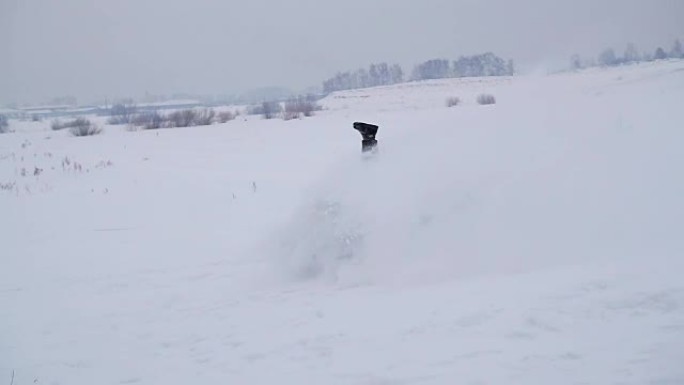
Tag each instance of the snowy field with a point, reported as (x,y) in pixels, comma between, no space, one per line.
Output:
(539,240)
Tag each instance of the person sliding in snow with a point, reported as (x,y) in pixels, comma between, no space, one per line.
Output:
(368,132)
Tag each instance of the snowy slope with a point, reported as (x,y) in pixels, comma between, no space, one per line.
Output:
(535,241)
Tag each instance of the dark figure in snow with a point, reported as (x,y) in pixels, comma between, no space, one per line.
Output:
(368,131)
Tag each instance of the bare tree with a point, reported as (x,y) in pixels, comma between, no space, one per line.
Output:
(432,69)
(83,127)
(270,109)
(182,118)
(4,124)
(225,116)
(296,107)
(607,58)
(74,123)
(122,113)
(677,52)
(204,117)
(291,110)
(631,54)
(576,62)
(57,125)
(148,120)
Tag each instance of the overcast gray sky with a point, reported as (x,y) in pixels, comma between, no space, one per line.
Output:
(116,48)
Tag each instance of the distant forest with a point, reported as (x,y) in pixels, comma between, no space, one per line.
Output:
(384,74)
(609,58)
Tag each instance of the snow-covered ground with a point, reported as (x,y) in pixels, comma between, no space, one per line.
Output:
(536,241)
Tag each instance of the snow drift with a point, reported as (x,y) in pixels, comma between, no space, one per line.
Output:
(550,179)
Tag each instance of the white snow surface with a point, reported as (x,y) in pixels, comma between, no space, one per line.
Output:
(539,240)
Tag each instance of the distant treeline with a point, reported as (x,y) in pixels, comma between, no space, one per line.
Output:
(609,58)
(383,74)
(486,64)
(376,75)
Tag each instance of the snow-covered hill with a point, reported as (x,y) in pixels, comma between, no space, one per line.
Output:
(538,240)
